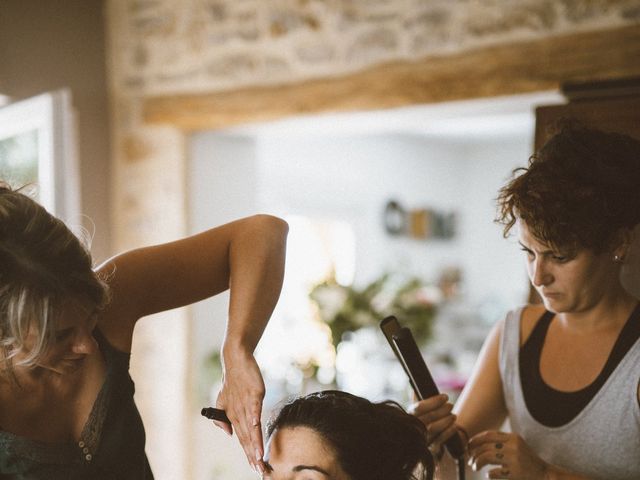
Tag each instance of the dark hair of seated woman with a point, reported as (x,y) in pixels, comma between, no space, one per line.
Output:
(338,436)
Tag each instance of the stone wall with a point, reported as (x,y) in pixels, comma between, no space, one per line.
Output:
(169,47)
(165,47)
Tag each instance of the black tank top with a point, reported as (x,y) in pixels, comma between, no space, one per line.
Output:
(555,408)
(113,438)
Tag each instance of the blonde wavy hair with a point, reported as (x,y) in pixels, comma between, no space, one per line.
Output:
(42,266)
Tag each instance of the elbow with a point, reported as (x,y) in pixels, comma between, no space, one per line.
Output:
(270,226)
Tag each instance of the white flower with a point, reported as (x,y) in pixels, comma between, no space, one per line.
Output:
(362,318)
(430,294)
(330,299)
(382,301)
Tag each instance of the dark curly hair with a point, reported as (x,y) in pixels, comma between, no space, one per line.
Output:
(372,441)
(578,191)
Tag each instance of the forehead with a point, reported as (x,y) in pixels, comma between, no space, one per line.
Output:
(73,310)
(526,236)
(292,446)
(529,239)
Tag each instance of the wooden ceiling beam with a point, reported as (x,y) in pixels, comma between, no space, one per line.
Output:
(514,68)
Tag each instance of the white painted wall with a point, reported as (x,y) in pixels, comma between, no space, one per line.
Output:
(350,178)
(223,180)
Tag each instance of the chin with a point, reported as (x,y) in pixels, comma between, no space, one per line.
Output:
(558,306)
(552,305)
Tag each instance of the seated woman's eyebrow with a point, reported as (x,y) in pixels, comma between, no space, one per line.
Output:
(299,468)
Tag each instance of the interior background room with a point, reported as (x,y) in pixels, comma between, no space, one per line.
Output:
(191,113)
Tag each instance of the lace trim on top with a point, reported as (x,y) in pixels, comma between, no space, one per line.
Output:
(65,453)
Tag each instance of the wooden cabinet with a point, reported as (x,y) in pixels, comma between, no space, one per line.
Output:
(611,106)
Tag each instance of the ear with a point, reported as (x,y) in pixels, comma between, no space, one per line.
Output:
(622,242)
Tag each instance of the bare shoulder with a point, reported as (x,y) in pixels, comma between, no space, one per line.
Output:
(530,315)
(115,320)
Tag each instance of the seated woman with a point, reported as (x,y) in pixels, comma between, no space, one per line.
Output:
(334,435)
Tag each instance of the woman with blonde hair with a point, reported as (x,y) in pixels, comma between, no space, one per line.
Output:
(66,397)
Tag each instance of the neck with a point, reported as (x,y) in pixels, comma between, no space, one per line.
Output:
(609,312)
(34,381)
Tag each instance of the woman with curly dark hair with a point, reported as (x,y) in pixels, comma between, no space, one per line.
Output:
(334,435)
(565,373)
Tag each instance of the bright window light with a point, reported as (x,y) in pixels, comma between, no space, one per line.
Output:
(317,249)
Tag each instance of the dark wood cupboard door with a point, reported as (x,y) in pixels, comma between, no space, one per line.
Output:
(620,115)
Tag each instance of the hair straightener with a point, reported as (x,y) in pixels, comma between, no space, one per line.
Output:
(406,350)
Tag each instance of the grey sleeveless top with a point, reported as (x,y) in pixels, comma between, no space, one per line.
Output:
(603,440)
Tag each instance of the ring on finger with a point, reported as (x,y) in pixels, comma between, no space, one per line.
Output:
(499,445)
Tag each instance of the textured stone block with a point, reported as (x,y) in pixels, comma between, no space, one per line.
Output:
(314,53)
(154,24)
(373,44)
(583,10)
(233,66)
(276,68)
(499,21)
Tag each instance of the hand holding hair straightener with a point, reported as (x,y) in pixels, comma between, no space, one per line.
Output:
(406,350)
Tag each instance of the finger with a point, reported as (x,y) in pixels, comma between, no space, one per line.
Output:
(487,458)
(249,431)
(437,414)
(256,441)
(255,433)
(478,446)
(486,451)
(425,406)
(445,435)
(488,436)
(224,426)
(435,430)
(238,420)
(502,472)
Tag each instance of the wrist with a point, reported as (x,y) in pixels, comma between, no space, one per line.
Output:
(236,341)
(234,350)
